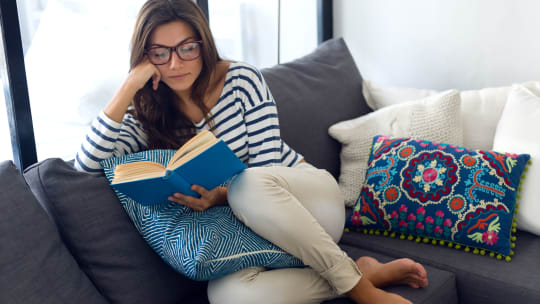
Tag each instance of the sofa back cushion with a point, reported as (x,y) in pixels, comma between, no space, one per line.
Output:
(312,93)
(35,267)
(102,238)
(480,109)
(517,131)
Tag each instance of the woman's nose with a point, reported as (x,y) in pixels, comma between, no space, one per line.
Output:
(176,62)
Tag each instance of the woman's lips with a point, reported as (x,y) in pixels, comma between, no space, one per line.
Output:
(178,77)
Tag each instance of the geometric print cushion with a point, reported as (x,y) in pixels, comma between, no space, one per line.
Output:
(200,245)
(440,193)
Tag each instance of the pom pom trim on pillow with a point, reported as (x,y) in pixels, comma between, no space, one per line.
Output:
(457,197)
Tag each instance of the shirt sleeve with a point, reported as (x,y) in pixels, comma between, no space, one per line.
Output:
(265,146)
(107,138)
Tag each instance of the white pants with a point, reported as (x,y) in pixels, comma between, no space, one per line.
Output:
(301,210)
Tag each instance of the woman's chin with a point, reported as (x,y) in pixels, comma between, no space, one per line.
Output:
(179,89)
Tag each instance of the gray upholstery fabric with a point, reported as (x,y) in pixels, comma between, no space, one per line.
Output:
(102,238)
(35,267)
(441,288)
(479,279)
(312,93)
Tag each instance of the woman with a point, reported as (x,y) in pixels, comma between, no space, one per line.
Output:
(177,86)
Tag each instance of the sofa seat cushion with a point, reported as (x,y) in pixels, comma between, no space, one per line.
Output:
(441,288)
(35,266)
(103,240)
(479,279)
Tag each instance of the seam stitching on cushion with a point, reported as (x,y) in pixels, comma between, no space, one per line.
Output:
(454,278)
(243,254)
(47,203)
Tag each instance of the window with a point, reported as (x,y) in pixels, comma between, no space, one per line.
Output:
(75,61)
(71,76)
(5,152)
(5,140)
(263,33)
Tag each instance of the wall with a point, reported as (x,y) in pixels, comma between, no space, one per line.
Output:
(441,44)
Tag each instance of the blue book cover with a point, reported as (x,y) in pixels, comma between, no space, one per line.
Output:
(208,166)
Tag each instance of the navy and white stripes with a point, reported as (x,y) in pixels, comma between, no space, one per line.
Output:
(245,117)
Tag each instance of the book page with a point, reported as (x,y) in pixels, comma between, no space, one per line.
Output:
(137,171)
(204,138)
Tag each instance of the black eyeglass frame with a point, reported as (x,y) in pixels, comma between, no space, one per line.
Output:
(175,49)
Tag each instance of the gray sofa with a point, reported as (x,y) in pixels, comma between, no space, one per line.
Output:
(66,239)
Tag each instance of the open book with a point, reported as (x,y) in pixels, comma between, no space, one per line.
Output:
(203,160)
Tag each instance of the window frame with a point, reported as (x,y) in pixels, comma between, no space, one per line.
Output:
(15,85)
(16,89)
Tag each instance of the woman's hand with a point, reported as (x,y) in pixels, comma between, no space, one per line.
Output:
(137,78)
(140,74)
(208,199)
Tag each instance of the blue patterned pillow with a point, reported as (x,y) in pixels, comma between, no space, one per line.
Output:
(201,245)
(441,193)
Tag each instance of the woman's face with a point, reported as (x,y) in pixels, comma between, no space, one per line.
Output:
(177,73)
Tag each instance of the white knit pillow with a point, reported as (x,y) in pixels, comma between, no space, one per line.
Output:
(434,118)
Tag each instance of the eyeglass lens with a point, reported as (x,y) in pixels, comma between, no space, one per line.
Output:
(187,51)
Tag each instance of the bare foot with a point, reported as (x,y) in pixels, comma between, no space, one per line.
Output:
(397,272)
(365,293)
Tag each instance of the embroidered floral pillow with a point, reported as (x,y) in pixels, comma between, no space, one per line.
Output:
(432,191)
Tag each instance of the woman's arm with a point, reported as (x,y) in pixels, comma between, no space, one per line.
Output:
(266,148)
(114,132)
(135,81)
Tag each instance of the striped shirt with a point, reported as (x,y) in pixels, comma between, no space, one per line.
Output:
(245,117)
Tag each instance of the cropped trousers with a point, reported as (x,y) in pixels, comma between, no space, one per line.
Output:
(301,210)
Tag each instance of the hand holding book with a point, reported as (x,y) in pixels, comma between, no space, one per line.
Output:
(208,198)
(204,160)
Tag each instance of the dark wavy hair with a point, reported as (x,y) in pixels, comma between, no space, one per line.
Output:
(165,125)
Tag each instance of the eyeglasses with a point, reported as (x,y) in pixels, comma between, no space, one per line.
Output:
(187,51)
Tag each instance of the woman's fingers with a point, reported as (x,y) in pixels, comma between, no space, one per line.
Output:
(197,204)
(175,198)
(156,77)
(201,190)
(143,72)
(207,199)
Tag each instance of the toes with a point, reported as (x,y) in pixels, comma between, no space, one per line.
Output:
(416,282)
(418,276)
(421,270)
